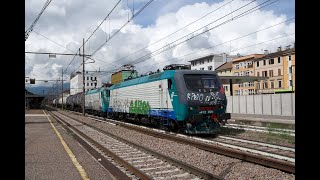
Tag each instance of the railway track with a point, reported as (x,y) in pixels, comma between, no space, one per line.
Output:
(268,155)
(265,149)
(142,162)
(261,129)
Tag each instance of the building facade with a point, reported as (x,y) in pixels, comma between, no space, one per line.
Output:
(210,62)
(243,66)
(289,61)
(225,70)
(76,83)
(276,67)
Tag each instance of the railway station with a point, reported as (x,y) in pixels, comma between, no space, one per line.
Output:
(161,90)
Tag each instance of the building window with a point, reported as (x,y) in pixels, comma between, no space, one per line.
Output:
(264,62)
(290,58)
(279,60)
(264,74)
(209,68)
(201,68)
(226,88)
(237,66)
(251,91)
(257,63)
(88,78)
(258,74)
(95,78)
(290,70)
(272,84)
(258,85)
(280,84)
(95,84)
(279,72)
(290,82)
(87,84)
(271,73)
(91,84)
(91,78)
(271,61)
(265,85)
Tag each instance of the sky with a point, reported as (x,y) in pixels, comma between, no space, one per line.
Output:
(164,32)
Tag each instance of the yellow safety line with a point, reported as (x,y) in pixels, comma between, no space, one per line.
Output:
(71,155)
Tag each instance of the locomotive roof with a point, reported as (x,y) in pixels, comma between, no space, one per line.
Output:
(144,79)
(156,77)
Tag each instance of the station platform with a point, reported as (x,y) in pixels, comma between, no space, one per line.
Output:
(51,153)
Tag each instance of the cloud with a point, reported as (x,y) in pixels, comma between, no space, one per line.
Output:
(68,22)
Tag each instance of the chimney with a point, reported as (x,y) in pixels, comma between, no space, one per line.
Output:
(279,48)
(265,51)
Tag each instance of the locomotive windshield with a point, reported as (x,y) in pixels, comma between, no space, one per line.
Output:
(197,81)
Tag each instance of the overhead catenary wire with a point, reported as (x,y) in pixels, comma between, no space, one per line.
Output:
(148,56)
(143,67)
(29,30)
(174,31)
(234,39)
(91,35)
(136,14)
(110,37)
(191,32)
(176,58)
(133,16)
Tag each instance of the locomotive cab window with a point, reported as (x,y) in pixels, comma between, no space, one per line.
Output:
(195,82)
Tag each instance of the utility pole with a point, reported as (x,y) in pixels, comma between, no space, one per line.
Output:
(83,88)
(62,88)
(57,95)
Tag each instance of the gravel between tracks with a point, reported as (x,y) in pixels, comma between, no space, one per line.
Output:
(230,168)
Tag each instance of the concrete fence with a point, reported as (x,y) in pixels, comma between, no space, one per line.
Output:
(267,104)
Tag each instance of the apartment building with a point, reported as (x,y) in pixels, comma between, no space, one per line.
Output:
(76,82)
(276,67)
(289,59)
(243,66)
(210,62)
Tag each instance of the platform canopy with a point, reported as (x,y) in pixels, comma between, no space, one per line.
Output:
(240,79)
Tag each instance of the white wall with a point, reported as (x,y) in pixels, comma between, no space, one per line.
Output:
(267,104)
